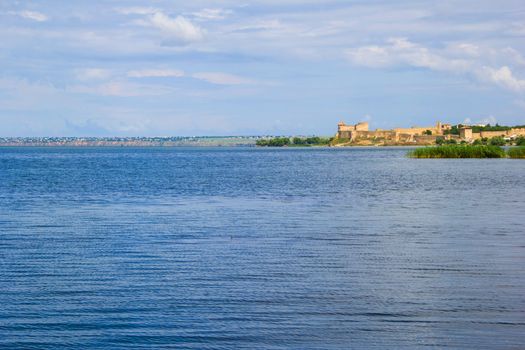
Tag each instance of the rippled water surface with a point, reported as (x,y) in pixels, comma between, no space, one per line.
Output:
(259,248)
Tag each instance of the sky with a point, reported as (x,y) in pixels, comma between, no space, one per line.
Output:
(263,67)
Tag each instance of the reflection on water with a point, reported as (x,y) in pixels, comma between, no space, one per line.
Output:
(259,248)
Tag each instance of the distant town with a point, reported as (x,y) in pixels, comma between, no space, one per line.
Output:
(189,141)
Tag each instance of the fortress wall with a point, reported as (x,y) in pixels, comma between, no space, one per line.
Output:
(490,134)
(361,126)
(404,137)
(386,134)
(346,128)
(344,134)
(505,133)
(417,131)
(425,139)
(517,131)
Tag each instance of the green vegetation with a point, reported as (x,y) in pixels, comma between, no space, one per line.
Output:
(441,141)
(294,142)
(497,141)
(427,132)
(520,141)
(336,141)
(273,142)
(475,129)
(488,127)
(458,151)
(516,153)
(454,130)
(311,141)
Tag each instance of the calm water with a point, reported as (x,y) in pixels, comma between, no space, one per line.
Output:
(259,248)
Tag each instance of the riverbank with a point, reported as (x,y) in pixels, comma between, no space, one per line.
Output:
(467,151)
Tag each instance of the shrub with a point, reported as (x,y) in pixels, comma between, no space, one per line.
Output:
(275,142)
(298,141)
(279,142)
(458,151)
(497,141)
(520,141)
(516,152)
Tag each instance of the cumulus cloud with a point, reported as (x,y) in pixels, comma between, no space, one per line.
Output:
(33,15)
(457,59)
(158,73)
(481,121)
(178,29)
(502,77)
(221,78)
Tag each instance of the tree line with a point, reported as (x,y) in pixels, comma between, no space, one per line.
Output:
(294,141)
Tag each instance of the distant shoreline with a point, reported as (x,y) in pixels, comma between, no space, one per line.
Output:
(180,141)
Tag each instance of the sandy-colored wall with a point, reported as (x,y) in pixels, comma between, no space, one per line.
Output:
(490,134)
(417,131)
(361,126)
(517,132)
(375,134)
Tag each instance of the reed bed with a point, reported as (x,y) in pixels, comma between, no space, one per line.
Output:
(458,151)
(516,153)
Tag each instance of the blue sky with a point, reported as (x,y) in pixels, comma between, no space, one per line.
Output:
(145,68)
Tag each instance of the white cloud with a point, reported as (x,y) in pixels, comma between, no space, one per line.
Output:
(462,58)
(212,14)
(514,55)
(465,49)
(222,78)
(161,73)
(481,121)
(120,89)
(502,77)
(400,51)
(33,15)
(370,56)
(92,74)
(136,10)
(179,29)
(259,25)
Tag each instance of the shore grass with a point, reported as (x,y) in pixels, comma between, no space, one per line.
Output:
(516,153)
(458,151)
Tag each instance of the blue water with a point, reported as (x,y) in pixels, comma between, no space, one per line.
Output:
(228,248)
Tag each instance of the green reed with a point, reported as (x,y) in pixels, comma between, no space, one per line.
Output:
(458,151)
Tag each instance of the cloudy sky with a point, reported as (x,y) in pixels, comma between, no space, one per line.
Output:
(200,67)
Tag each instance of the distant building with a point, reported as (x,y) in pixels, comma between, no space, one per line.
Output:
(465,133)
(415,135)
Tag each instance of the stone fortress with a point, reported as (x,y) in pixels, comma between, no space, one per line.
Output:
(359,134)
(466,134)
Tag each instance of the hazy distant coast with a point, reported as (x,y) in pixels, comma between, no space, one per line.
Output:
(201,141)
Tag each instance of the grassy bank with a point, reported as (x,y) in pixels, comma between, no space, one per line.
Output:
(516,153)
(458,151)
